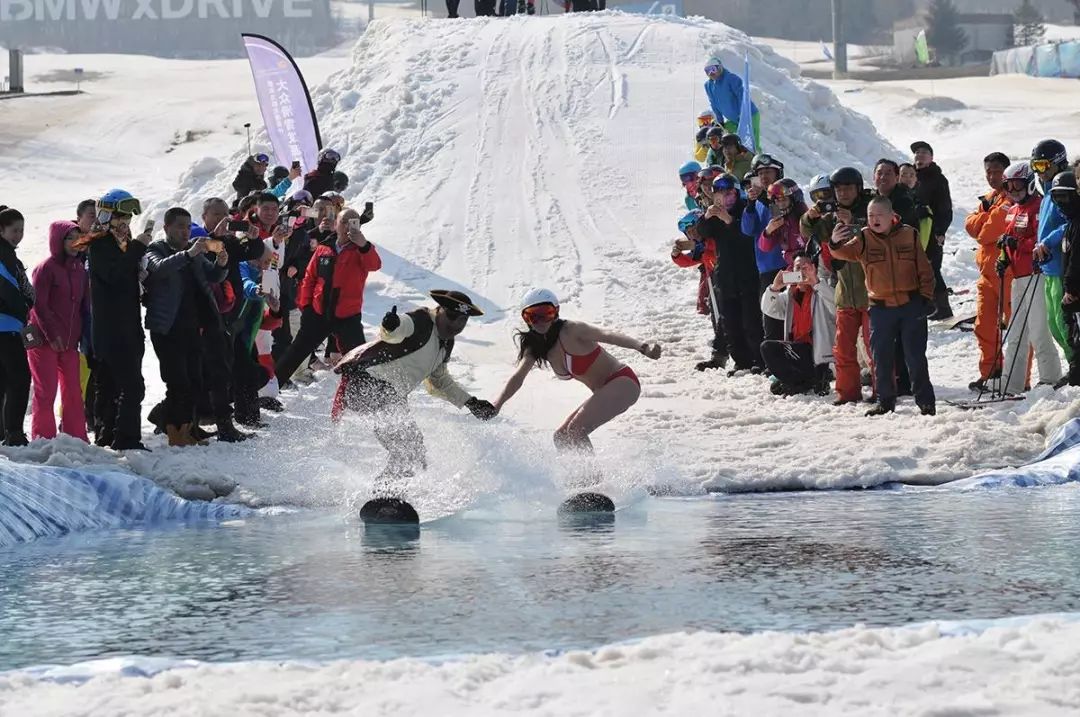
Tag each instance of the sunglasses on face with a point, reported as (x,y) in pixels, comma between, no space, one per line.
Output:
(1041,165)
(544,313)
(712,70)
(1016,185)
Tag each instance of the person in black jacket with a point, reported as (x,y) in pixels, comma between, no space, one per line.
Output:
(932,191)
(321,179)
(736,275)
(1064,194)
(16,300)
(116,317)
(178,302)
(251,177)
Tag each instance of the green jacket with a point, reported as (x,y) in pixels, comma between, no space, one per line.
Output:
(850,279)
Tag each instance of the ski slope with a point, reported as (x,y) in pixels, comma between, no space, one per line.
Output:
(503,154)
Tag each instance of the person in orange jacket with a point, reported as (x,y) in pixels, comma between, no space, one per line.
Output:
(986,225)
(331,294)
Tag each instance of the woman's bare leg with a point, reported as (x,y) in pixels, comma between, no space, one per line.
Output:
(608,402)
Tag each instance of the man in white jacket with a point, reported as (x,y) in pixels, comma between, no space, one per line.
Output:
(413,348)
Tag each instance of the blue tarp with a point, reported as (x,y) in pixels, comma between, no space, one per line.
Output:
(42,501)
(1060,59)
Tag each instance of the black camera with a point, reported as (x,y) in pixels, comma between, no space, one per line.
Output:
(368,214)
(826,206)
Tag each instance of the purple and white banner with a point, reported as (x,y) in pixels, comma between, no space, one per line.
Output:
(285,103)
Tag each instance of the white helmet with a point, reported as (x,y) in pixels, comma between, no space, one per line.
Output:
(1023,171)
(818,183)
(535,297)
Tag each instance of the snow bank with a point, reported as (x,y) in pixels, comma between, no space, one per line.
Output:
(37,502)
(1029,667)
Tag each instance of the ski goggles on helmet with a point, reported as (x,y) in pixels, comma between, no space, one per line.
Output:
(708,174)
(724,183)
(330,156)
(262,158)
(540,314)
(705,119)
(128,205)
(765,161)
(821,195)
(713,69)
(1042,165)
(688,177)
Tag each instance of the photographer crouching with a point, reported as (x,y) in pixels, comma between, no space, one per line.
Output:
(798,299)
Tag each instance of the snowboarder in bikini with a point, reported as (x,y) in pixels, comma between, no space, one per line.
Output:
(573,350)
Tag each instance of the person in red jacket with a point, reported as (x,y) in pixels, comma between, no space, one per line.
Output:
(1029,326)
(332,294)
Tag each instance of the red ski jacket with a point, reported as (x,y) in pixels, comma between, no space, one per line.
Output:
(345,272)
(1022,222)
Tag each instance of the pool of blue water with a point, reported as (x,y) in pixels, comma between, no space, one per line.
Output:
(314,585)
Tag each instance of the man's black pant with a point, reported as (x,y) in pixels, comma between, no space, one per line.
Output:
(742,326)
(452,7)
(179,356)
(247,378)
(773,328)
(1072,320)
(314,329)
(935,252)
(716,316)
(792,363)
(120,392)
(909,323)
(14,382)
(217,369)
(394,426)
(484,8)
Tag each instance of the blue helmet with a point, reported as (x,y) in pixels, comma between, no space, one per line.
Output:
(690,220)
(690,167)
(119,201)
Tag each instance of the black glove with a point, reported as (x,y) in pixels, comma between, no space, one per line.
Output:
(391,320)
(1001,266)
(985,203)
(481,409)
(923,212)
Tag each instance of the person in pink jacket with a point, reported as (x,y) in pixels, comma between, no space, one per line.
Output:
(60,286)
(786,206)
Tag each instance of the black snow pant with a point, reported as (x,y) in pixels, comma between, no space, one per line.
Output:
(394,426)
(720,343)
(909,323)
(248,377)
(773,328)
(1072,320)
(314,329)
(217,369)
(118,401)
(452,8)
(14,382)
(179,357)
(792,363)
(742,326)
(484,8)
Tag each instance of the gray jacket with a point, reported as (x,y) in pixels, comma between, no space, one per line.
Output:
(164,283)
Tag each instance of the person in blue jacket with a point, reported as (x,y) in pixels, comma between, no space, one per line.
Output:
(755,218)
(1048,159)
(725,90)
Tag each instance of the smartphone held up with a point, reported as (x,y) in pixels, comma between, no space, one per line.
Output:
(792,277)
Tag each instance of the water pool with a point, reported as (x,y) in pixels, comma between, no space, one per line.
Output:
(318,586)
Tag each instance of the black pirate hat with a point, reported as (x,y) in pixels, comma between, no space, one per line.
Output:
(456,302)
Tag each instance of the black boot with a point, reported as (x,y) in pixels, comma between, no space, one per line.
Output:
(718,360)
(942,309)
(157,417)
(268,403)
(882,408)
(227,432)
(928,410)
(13,438)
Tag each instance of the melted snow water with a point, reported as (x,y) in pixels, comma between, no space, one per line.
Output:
(314,586)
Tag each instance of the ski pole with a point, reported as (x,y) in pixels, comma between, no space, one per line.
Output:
(247,126)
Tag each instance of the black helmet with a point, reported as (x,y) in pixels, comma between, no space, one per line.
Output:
(765,161)
(1064,194)
(279,173)
(846,175)
(341,181)
(701,134)
(731,138)
(715,131)
(1052,150)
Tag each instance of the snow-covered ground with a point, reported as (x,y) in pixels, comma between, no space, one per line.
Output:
(508,153)
(1014,667)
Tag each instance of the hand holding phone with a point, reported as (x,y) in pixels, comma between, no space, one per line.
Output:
(792,277)
(215,245)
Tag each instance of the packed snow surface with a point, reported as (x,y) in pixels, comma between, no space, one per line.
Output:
(1012,667)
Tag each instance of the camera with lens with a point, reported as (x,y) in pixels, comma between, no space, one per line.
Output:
(826,206)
